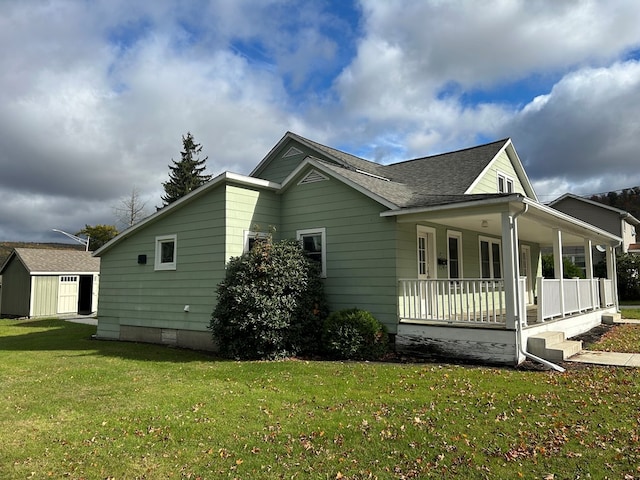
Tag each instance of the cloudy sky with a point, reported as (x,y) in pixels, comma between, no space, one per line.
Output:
(95,95)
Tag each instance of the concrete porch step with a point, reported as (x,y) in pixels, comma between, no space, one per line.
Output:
(552,346)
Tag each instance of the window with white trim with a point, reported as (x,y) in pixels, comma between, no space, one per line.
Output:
(166,252)
(505,183)
(251,237)
(490,258)
(454,254)
(313,242)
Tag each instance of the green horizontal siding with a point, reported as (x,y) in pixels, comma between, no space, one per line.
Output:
(132,294)
(248,210)
(209,231)
(360,245)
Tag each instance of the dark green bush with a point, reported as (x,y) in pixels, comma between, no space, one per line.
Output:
(628,267)
(354,334)
(270,305)
(569,269)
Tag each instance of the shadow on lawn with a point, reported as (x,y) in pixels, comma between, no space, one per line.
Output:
(60,335)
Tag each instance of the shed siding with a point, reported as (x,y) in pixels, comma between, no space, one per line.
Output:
(136,295)
(16,290)
(45,295)
(489,181)
(360,245)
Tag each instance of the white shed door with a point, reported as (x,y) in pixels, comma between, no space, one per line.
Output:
(68,294)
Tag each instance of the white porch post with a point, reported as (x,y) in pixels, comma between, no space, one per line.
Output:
(558,271)
(588,258)
(588,264)
(510,268)
(612,273)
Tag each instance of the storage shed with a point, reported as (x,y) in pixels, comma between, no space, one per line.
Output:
(40,282)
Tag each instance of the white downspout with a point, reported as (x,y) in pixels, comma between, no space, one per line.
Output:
(520,348)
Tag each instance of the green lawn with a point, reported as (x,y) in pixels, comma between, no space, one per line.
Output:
(77,408)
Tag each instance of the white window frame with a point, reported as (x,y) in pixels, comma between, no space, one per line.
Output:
(160,240)
(323,238)
(507,181)
(491,241)
(252,235)
(458,236)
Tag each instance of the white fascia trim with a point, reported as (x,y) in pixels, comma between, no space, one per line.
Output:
(42,274)
(250,181)
(220,179)
(517,166)
(310,161)
(454,206)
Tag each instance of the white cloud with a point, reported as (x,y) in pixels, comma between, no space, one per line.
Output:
(95,96)
(584,132)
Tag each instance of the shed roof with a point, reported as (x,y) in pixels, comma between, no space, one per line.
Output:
(41,260)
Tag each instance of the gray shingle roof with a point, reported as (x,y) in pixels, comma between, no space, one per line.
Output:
(432,180)
(347,160)
(448,173)
(38,260)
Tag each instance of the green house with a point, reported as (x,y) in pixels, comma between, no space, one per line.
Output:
(444,250)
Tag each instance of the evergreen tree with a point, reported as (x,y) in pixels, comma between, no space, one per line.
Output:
(98,235)
(185,175)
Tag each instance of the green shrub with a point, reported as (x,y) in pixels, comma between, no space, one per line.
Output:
(628,268)
(569,269)
(270,305)
(354,334)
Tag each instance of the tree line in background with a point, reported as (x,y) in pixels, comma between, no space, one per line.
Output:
(627,199)
(185,175)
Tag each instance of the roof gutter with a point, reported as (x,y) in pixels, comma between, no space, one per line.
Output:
(453,206)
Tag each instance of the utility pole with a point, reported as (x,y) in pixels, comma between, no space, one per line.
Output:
(83,241)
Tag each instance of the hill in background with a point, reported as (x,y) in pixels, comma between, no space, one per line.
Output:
(627,199)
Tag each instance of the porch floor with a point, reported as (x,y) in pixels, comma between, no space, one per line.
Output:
(498,322)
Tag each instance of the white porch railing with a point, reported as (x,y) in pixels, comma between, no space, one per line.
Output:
(576,295)
(607,296)
(468,301)
(482,302)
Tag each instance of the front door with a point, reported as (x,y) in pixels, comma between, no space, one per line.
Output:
(426,270)
(68,294)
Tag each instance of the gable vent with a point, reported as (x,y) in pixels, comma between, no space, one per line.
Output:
(292,152)
(312,177)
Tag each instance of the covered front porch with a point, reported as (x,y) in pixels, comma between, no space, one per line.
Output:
(486,318)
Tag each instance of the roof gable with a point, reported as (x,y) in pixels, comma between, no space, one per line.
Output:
(291,151)
(415,181)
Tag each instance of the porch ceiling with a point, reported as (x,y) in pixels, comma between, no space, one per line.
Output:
(536,225)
